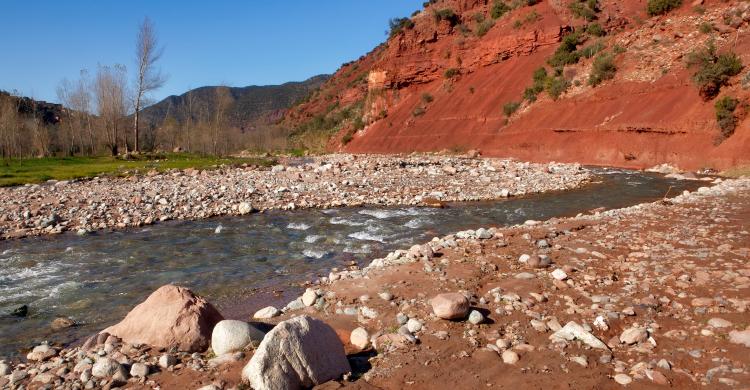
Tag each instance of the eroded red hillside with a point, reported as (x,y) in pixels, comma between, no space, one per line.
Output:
(442,85)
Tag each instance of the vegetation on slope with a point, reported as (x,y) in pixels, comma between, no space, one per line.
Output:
(584,9)
(725,117)
(713,70)
(314,134)
(661,7)
(603,69)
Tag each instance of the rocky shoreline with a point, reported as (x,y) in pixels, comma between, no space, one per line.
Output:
(323,182)
(654,295)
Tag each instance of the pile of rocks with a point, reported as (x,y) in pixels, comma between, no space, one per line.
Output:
(177,326)
(653,295)
(329,181)
(633,287)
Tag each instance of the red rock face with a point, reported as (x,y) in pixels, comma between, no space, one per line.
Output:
(649,114)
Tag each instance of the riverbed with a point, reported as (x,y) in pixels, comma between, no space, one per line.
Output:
(96,279)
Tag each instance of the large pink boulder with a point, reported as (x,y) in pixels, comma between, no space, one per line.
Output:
(170,317)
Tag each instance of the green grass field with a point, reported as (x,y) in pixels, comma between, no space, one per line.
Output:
(737,171)
(37,170)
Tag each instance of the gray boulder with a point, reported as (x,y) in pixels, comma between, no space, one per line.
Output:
(105,367)
(232,336)
(297,353)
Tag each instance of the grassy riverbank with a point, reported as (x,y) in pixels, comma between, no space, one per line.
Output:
(737,172)
(37,170)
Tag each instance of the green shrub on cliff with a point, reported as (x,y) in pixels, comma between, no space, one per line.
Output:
(499,8)
(566,53)
(540,79)
(584,9)
(510,107)
(603,69)
(446,14)
(556,86)
(591,50)
(725,116)
(596,30)
(706,28)
(661,7)
(713,70)
(398,25)
(484,27)
(451,73)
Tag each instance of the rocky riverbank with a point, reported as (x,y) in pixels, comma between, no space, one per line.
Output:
(650,296)
(329,181)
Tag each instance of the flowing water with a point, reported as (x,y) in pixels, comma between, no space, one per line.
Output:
(96,279)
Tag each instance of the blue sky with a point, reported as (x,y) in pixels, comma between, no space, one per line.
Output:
(235,43)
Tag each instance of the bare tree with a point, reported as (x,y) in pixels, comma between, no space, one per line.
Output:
(189,113)
(76,97)
(10,140)
(223,100)
(81,98)
(64,95)
(148,78)
(110,91)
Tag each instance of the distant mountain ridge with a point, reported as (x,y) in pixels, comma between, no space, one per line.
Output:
(243,107)
(48,113)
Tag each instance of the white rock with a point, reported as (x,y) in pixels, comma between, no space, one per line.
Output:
(266,313)
(167,360)
(41,352)
(298,353)
(4,369)
(740,337)
(559,274)
(719,323)
(244,208)
(368,313)
(414,325)
(573,331)
(386,296)
(309,297)
(633,336)
(623,379)
(360,338)
(581,360)
(139,370)
(225,359)
(600,323)
(476,317)
(104,367)
(483,234)
(232,336)
(510,357)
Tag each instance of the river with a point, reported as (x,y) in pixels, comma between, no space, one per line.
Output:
(97,278)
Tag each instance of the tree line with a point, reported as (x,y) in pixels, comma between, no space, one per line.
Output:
(96,109)
(101,113)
